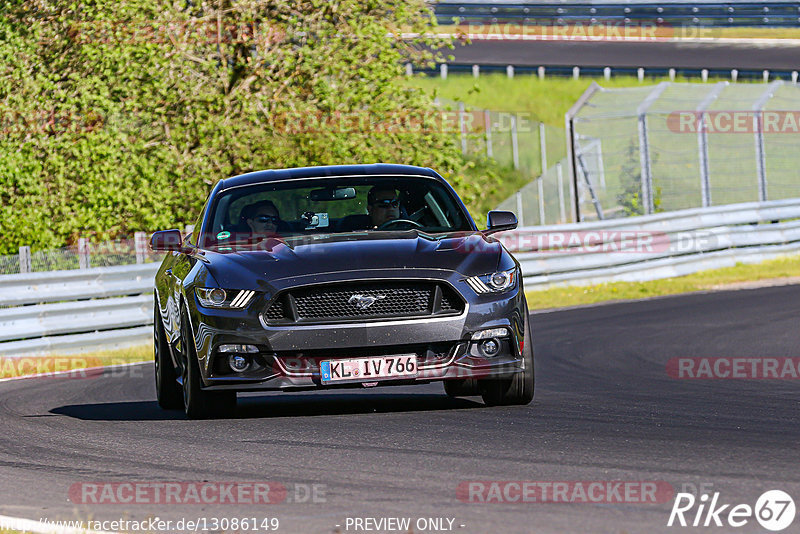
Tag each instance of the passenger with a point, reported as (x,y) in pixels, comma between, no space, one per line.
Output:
(262,218)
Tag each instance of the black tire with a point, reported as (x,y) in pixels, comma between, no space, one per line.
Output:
(461,387)
(517,390)
(198,403)
(168,391)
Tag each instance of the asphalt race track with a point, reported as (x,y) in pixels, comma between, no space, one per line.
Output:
(605,410)
(689,55)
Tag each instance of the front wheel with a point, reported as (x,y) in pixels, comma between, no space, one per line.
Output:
(198,403)
(517,390)
(168,391)
(461,387)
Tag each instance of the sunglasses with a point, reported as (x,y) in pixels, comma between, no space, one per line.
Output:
(264,219)
(387,203)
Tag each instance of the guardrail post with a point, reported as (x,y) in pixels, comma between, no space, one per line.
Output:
(84,258)
(487,125)
(443,70)
(540,72)
(140,246)
(409,69)
(25,259)
(476,71)
(462,128)
(520,218)
(514,142)
(510,71)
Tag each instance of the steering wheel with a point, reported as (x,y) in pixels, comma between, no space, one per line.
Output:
(387,224)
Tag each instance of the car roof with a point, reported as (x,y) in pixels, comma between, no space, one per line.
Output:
(327,171)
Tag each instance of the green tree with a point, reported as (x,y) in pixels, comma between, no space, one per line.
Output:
(119,116)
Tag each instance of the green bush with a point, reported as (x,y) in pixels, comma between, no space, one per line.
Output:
(120,116)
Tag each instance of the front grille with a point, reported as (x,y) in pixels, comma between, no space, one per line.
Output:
(363,300)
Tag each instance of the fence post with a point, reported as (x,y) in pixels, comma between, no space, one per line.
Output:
(572,159)
(758,127)
(520,218)
(644,148)
(702,143)
(140,246)
(543,146)
(25,259)
(541,199)
(84,259)
(561,207)
(462,128)
(514,142)
(644,164)
(487,125)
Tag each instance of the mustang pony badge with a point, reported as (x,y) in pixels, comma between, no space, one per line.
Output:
(363,302)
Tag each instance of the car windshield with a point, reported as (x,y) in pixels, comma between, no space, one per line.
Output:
(291,208)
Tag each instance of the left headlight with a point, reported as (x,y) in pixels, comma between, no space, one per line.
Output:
(216,297)
(494,282)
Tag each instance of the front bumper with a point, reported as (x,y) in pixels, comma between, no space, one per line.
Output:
(288,356)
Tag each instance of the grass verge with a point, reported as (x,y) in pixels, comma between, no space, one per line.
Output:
(716,279)
(30,365)
(546,100)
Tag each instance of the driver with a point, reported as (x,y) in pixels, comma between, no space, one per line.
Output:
(382,205)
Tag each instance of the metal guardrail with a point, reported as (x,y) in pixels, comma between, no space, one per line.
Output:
(731,13)
(655,246)
(76,310)
(117,310)
(54,286)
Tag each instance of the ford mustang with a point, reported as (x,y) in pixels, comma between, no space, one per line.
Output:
(338,277)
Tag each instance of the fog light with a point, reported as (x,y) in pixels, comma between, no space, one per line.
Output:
(238,362)
(490,347)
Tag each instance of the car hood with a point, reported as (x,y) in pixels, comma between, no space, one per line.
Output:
(276,260)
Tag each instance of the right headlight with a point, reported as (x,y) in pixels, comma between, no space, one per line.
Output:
(216,297)
(496,282)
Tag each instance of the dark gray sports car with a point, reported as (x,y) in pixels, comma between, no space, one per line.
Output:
(340,276)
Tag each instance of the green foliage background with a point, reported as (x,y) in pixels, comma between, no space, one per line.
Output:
(119,116)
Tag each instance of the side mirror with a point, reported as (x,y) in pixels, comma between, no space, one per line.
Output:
(500,221)
(167,241)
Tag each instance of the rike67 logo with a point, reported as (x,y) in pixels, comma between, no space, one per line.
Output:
(774,510)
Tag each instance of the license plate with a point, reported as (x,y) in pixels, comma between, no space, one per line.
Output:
(368,369)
